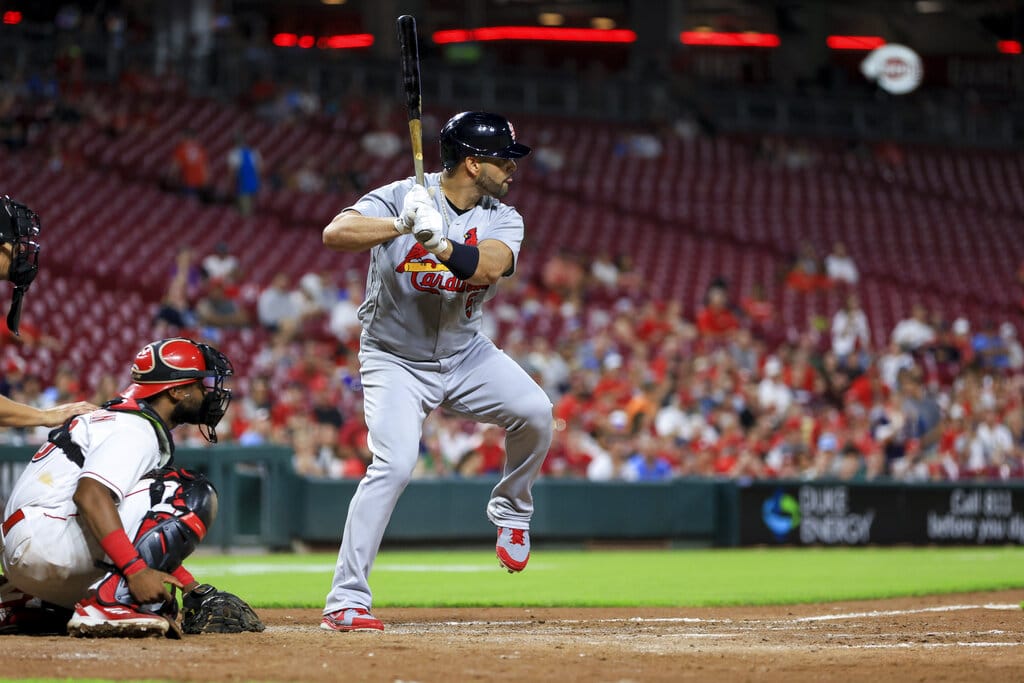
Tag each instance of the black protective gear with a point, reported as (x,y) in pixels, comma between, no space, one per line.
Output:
(19,225)
(207,610)
(479,134)
(177,361)
(183,506)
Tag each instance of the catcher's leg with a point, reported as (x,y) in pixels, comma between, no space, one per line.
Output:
(183,507)
(20,613)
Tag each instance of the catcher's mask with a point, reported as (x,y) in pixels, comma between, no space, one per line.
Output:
(177,361)
(19,226)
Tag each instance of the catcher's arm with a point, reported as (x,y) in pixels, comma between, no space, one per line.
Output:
(96,507)
(204,609)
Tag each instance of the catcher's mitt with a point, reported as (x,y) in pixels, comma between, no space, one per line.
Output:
(208,610)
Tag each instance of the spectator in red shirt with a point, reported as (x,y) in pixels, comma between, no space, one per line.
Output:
(653,325)
(716,321)
(757,307)
(868,390)
(492,450)
(190,166)
(807,274)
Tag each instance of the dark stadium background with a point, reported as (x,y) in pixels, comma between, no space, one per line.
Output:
(689,165)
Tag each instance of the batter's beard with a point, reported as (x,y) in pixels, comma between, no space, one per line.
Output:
(490,188)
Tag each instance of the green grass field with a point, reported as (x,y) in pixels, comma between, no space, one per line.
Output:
(625,578)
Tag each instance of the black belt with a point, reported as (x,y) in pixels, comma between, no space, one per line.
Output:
(12,520)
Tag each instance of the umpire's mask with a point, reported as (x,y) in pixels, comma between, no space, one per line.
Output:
(19,226)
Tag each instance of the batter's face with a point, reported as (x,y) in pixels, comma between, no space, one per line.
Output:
(494,176)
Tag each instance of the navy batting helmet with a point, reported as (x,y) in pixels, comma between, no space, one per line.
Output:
(479,134)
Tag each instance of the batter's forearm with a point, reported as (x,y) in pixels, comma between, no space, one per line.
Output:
(353,232)
(495,261)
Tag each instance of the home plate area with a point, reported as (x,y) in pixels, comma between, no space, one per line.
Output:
(954,637)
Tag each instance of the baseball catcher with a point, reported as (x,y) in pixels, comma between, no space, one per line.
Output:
(100,521)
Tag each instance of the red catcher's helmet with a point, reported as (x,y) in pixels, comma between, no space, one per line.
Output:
(173,362)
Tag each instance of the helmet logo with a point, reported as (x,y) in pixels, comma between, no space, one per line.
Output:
(156,361)
(181,354)
(512,131)
(144,362)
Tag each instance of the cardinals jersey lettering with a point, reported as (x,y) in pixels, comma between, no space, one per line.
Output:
(116,449)
(414,306)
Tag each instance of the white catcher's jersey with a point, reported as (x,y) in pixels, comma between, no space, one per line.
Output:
(118,448)
(414,307)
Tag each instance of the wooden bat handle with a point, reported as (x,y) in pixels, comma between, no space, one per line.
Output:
(416,136)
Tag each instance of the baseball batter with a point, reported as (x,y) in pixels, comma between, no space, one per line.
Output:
(436,254)
(101,479)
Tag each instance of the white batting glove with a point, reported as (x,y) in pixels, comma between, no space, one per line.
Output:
(415,198)
(428,230)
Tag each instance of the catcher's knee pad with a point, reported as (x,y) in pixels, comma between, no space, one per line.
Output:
(184,505)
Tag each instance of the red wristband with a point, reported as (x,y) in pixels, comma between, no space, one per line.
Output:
(122,553)
(137,565)
(183,575)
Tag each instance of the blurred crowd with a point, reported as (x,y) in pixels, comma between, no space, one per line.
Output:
(642,389)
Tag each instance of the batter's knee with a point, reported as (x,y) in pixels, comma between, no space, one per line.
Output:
(394,453)
(535,412)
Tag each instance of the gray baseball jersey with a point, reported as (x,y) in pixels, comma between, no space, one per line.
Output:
(414,307)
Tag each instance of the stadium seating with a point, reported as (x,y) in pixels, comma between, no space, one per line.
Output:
(943,227)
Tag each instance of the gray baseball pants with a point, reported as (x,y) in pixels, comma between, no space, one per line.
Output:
(481,383)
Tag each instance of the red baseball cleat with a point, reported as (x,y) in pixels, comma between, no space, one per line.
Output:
(351,619)
(93,619)
(513,549)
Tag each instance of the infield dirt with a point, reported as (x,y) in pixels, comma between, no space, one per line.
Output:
(967,637)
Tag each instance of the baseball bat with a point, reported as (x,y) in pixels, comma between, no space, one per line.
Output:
(411,82)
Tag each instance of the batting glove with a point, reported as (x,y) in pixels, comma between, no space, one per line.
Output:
(414,199)
(428,229)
